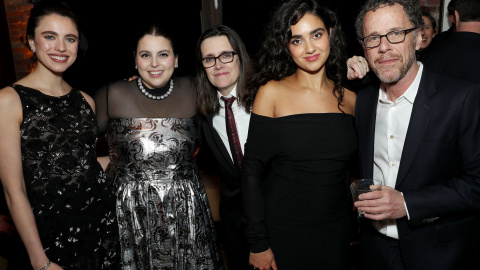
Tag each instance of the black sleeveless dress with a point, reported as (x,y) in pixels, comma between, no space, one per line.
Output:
(73,205)
(295,182)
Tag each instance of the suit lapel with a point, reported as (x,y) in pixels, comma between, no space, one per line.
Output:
(219,143)
(422,112)
(368,128)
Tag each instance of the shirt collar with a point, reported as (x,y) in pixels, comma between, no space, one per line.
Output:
(233,93)
(411,92)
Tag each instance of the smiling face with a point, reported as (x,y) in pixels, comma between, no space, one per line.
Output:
(155,60)
(55,42)
(309,45)
(428,32)
(223,76)
(391,62)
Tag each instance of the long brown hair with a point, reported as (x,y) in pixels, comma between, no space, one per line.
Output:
(207,98)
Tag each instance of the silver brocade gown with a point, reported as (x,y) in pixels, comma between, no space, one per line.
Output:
(162,208)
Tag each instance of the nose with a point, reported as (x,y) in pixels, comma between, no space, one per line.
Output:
(60,45)
(154,62)
(385,45)
(309,48)
(218,64)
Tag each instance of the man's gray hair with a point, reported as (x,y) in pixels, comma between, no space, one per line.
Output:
(411,7)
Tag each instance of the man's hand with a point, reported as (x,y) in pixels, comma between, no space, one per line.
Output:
(263,260)
(357,67)
(387,203)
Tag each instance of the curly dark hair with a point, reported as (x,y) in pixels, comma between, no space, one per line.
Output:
(411,7)
(207,98)
(274,58)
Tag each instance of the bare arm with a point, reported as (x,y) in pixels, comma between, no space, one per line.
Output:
(11,175)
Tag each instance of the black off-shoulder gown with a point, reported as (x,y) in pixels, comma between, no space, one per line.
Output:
(296,188)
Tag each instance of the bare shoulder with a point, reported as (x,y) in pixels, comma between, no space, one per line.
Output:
(10,104)
(349,100)
(265,99)
(9,98)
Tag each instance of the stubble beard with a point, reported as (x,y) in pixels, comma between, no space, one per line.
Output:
(397,74)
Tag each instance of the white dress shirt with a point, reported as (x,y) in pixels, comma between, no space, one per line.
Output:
(391,128)
(242,120)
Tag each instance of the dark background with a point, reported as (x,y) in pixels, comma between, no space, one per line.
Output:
(108,27)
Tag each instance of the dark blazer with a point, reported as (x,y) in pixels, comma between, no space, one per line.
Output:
(231,204)
(457,56)
(439,172)
(230,175)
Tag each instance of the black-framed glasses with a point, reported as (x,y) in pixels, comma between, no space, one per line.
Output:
(225,57)
(393,37)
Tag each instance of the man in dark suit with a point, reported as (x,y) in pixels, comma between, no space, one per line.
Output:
(459,54)
(223,64)
(419,133)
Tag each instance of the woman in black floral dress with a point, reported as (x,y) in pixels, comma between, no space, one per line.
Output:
(55,189)
(153,132)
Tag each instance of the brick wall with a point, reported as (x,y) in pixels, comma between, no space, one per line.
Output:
(434,7)
(18,12)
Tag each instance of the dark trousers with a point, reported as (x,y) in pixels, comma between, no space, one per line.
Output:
(380,252)
(236,246)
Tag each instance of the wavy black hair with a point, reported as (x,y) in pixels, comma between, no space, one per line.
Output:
(207,98)
(274,59)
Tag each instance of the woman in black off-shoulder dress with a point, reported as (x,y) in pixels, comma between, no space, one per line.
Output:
(300,143)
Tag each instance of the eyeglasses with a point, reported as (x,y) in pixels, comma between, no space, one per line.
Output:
(224,58)
(393,37)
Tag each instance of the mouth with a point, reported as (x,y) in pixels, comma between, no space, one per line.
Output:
(59,59)
(312,58)
(388,60)
(221,74)
(155,73)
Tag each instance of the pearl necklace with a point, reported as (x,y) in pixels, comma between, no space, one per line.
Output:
(140,86)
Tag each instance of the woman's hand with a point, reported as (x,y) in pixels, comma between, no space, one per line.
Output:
(263,260)
(357,67)
(132,78)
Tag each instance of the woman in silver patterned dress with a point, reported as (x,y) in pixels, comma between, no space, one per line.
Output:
(153,132)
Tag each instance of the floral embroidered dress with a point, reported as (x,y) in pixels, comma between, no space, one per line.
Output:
(73,205)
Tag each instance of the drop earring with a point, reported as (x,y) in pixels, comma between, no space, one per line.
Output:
(136,67)
(33,50)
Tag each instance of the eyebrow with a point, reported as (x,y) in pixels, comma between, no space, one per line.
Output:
(56,34)
(375,33)
(165,50)
(211,54)
(311,32)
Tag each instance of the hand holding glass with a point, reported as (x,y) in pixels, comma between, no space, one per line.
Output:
(363,186)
